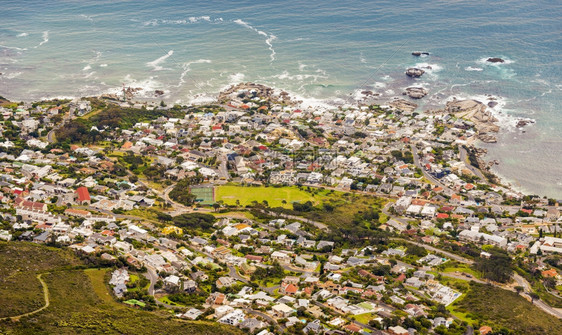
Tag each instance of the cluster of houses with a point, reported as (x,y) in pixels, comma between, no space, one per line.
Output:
(70,197)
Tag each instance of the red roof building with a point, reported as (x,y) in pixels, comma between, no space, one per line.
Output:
(82,196)
(30,205)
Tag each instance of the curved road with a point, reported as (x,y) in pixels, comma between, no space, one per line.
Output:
(518,279)
(446,190)
(472,168)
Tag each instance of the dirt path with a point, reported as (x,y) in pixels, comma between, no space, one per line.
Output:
(47,302)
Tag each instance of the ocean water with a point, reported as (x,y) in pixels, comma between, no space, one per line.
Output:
(323,52)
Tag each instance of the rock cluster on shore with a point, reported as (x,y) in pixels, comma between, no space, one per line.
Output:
(477,112)
(403,105)
(250,90)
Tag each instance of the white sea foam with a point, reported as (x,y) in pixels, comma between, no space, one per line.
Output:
(148,86)
(470,68)
(362,58)
(103,65)
(189,20)
(23,35)
(389,92)
(153,22)
(236,78)
(269,37)
(155,64)
(302,66)
(429,68)
(87,17)
(200,18)
(45,39)
(285,75)
(11,75)
(87,67)
(201,99)
(186,68)
(12,48)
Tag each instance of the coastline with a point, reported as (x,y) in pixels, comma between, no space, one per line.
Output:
(481,114)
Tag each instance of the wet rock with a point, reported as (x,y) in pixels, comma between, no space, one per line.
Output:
(492,104)
(495,60)
(523,123)
(158,93)
(420,53)
(414,72)
(415,92)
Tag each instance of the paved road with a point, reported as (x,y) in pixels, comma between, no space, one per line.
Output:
(446,190)
(153,277)
(51,135)
(265,316)
(335,312)
(473,169)
(386,212)
(317,224)
(518,279)
(437,250)
(223,169)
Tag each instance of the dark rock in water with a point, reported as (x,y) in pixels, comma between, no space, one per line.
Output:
(495,60)
(523,123)
(492,104)
(419,53)
(414,72)
(158,93)
(415,92)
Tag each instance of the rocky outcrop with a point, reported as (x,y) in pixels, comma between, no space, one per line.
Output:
(495,60)
(523,123)
(414,72)
(475,111)
(403,105)
(420,53)
(415,92)
(158,93)
(251,90)
(492,104)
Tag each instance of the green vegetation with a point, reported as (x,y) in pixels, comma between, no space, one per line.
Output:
(497,267)
(180,193)
(501,308)
(274,196)
(80,300)
(20,290)
(111,116)
(195,222)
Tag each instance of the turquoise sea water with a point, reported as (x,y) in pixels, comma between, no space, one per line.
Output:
(321,52)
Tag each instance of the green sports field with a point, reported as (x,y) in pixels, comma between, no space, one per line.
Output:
(273,195)
(204,195)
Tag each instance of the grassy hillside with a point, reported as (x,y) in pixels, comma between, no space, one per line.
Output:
(80,302)
(500,308)
(20,290)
